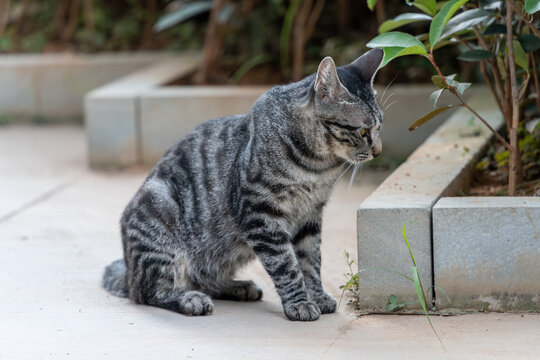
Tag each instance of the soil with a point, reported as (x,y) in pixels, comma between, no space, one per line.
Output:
(493,179)
(477,188)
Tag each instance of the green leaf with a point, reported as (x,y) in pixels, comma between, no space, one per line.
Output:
(427,6)
(490,4)
(371,4)
(429,116)
(461,87)
(434,97)
(439,82)
(441,19)
(529,42)
(248,65)
(520,57)
(495,29)
(395,39)
(532,6)
(465,21)
(452,84)
(392,299)
(186,12)
(401,20)
(476,55)
(390,53)
(397,44)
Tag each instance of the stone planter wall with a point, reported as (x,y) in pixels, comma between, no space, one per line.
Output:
(134,120)
(51,87)
(474,248)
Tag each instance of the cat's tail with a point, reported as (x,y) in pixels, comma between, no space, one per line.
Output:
(114,278)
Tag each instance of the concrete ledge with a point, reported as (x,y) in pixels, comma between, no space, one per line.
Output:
(157,116)
(435,169)
(112,112)
(52,86)
(487,252)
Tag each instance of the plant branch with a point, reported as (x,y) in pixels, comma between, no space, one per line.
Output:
(484,74)
(536,82)
(463,103)
(497,135)
(523,17)
(494,70)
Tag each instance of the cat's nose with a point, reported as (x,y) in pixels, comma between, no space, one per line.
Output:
(376,148)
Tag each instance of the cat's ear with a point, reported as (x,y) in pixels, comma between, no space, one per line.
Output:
(366,66)
(327,84)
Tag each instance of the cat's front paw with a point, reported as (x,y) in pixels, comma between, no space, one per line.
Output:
(196,303)
(326,303)
(302,311)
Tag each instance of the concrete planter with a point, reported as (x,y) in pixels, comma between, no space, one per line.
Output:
(134,120)
(485,252)
(51,87)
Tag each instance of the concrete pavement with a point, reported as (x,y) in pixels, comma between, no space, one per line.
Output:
(59,228)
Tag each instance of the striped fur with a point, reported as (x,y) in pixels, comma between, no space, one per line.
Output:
(245,186)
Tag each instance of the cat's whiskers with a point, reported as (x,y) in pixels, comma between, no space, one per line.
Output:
(386,88)
(392,103)
(341,175)
(387,98)
(357,166)
(353,175)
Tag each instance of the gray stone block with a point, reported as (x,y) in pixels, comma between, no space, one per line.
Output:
(487,252)
(381,244)
(111,130)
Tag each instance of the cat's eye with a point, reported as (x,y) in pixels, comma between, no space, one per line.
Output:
(363,132)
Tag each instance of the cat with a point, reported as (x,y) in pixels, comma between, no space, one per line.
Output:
(250,185)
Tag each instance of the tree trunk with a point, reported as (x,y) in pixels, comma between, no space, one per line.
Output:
(4,15)
(514,158)
(148,32)
(213,43)
(304,25)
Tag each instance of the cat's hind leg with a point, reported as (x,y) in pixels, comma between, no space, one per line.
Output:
(191,303)
(241,291)
(156,266)
(157,282)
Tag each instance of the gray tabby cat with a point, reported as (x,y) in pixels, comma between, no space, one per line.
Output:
(245,186)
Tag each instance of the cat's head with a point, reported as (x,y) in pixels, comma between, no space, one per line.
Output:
(346,106)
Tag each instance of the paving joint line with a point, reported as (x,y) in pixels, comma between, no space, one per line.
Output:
(39,199)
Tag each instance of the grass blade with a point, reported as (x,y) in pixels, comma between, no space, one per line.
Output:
(407,242)
(421,297)
(440,288)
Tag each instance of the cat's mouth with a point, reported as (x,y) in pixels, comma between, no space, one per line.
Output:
(361,157)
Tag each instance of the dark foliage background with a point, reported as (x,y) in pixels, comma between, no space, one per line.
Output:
(248,42)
